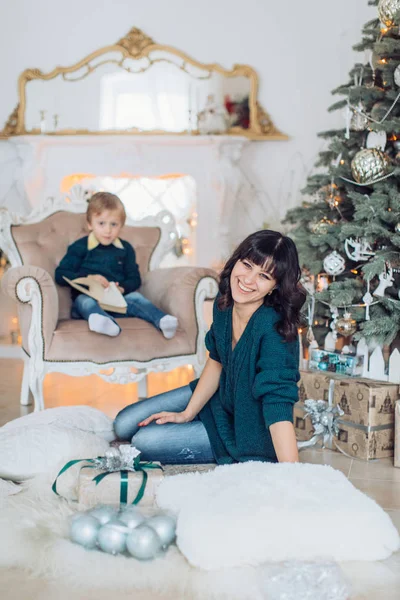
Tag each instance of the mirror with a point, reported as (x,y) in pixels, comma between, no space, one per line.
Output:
(140,87)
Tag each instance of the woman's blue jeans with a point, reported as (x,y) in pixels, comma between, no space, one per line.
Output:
(138,306)
(172,443)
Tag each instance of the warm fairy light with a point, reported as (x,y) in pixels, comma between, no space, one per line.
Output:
(384,30)
(389,210)
(315,322)
(300,330)
(342,162)
(14,320)
(354,271)
(383,61)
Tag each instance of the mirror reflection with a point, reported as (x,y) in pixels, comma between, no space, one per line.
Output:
(158,92)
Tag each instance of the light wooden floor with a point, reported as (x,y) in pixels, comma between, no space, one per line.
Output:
(378,479)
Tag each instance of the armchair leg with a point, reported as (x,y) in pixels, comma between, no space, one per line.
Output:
(25,398)
(142,388)
(36,379)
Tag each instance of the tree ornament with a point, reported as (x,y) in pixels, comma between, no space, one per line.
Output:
(321,227)
(334,263)
(388,11)
(377,139)
(397,227)
(84,530)
(369,164)
(358,121)
(164,526)
(385,281)
(367,299)
(358,249)
(396,75)
(346,325)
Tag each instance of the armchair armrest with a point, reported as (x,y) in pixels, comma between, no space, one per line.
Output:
(181,291)
(35,292)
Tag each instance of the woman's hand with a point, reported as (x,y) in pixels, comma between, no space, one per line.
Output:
(166,417)
(102,280)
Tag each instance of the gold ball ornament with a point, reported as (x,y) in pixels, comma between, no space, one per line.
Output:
(321,227)
(369,164)
(346,325)
(389,12)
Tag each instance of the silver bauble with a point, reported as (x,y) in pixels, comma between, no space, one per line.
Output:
(112,537)
(165,526)
(103,513)
(397,228)
(396,75)
(84,530)
(376,139)
(143,542)
(334,263)
(388,11)
(369,164)
(131,517)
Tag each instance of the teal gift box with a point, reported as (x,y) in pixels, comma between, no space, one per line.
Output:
(335,362)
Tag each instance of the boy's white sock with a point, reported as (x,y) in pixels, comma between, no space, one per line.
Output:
(104,325)
(168,326)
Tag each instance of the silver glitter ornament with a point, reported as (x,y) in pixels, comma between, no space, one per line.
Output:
(396,75)
(389,12)
(143,542)
(84,530)
(334,264)
(165,526)
(358,121)
(369,164)
(103,513)
(131,517)
(112,537)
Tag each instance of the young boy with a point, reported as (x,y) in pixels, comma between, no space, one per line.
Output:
(105,256)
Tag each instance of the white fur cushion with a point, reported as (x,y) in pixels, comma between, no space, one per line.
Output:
(249,513)
(43,449)
(82,418)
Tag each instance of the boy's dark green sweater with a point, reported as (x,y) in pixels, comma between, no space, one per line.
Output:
(115,264)
(258,386)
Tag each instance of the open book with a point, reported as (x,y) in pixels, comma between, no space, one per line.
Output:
(109,298)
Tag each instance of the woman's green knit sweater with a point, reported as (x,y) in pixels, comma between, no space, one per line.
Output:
(258,386)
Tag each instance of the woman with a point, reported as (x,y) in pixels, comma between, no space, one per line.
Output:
(241,408)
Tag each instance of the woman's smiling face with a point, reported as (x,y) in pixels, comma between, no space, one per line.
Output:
(250,283)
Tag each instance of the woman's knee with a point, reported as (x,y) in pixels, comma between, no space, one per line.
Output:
(126,422)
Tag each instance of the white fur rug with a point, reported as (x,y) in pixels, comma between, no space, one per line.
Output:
(33,528)
(250,513)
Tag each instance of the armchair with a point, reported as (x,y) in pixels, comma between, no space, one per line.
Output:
(53,342)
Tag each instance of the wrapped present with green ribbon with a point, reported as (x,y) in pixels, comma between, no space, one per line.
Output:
(117,478)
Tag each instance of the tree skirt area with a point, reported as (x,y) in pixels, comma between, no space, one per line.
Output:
(33,525)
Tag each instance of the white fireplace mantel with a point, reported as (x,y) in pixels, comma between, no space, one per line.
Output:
(39,163)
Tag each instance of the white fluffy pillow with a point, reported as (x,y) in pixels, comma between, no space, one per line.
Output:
(43,449)
(250,513)
(81,418)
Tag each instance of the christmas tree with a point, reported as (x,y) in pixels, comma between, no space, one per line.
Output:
(347,229)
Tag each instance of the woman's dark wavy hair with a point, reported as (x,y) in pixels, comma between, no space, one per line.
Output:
(277,253)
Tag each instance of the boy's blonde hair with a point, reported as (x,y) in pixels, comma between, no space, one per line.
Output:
(101,201)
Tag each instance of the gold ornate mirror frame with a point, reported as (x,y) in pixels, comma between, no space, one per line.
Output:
(137,45)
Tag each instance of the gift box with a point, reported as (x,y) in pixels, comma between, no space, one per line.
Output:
(365,427)
(335,362)
(114,488)
(397,434)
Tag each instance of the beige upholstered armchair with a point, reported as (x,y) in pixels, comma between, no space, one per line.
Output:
(52,341)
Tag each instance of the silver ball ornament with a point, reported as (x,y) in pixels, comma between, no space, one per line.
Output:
(112,537)
(131,517)
(359,121)
(324,420)
(84,530)
(397,227)
(334,263)
(369,164)
(388,11)
(143,542)
(165,526)
(103,513)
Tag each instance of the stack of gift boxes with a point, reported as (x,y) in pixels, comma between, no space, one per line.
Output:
(367,426)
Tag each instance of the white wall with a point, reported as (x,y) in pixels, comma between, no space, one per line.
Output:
(301,50)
